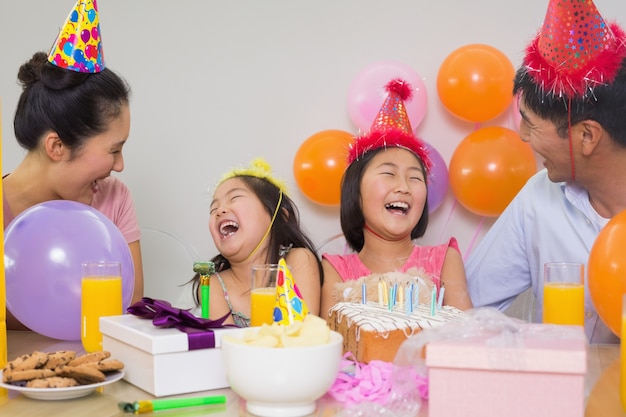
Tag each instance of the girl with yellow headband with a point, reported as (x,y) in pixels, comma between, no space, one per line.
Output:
(253,221)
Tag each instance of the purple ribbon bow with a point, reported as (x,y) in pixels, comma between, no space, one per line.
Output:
(199,331)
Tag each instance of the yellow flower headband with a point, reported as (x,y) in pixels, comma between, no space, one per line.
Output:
(258,168)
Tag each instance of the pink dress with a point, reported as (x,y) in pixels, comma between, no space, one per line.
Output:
(428,258)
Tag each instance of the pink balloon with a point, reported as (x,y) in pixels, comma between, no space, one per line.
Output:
(438,179)
(366,93)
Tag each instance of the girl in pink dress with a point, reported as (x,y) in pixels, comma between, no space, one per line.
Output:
(384,208)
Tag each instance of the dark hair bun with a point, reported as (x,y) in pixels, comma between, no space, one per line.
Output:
(39,69)
(30,72)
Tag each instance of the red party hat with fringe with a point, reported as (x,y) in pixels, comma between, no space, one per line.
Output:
(391,127)
(78,47)
(575,51)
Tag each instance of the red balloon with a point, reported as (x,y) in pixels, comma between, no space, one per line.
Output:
(488,168)
(475,82)
(320,163)
(606,272)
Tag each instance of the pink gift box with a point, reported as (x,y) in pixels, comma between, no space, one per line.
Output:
(538,370)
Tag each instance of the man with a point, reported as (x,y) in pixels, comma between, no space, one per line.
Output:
(572,99)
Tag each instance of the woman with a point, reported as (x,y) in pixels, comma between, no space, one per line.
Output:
(73,126)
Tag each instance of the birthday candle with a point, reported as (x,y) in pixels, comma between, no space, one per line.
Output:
(380,293)
(440,300)
(416,297)
(385,296)
(401,296)
(395,294)
(391,298)
(433,297)
(409,297)
(363,296)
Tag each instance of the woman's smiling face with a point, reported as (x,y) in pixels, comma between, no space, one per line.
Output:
(94,161)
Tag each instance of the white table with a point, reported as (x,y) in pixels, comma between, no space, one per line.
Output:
(603,400)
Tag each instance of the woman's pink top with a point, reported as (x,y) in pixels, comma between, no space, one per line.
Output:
(113,199)
(428,258)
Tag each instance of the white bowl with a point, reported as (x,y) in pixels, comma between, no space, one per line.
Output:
(282,381)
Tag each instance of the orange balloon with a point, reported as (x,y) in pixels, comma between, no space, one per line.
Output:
(606,272)
(488,168)
(475,82)
(320,163)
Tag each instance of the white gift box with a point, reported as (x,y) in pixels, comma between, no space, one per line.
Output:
(158,360)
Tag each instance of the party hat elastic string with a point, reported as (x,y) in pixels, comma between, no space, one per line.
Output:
(571,145)
(269,228)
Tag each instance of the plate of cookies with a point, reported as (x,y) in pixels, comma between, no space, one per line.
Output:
(60,375)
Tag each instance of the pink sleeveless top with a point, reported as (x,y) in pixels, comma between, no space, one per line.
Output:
(428,258)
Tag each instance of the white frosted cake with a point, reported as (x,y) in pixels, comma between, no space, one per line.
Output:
(373,332)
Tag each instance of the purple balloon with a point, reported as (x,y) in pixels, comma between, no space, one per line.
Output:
(85,35)
(438,179)
(44,248)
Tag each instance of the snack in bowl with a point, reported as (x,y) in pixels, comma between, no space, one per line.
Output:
(309,332)
(60,369)
(282,370)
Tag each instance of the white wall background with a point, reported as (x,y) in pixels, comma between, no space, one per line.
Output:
(217,83)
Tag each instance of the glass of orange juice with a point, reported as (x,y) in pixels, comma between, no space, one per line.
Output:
(263,294)
(564,293)
(101,296)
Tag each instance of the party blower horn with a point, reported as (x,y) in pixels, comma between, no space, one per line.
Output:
(205,269)
(290,306)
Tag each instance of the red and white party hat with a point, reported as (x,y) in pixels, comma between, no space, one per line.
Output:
(290,306)
(391,127)
(575,51)
(78,47)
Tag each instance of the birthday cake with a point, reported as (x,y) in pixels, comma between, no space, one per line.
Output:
(375,332)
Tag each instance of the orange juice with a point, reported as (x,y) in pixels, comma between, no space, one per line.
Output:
(564,303)
(262,306)
(101,296)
